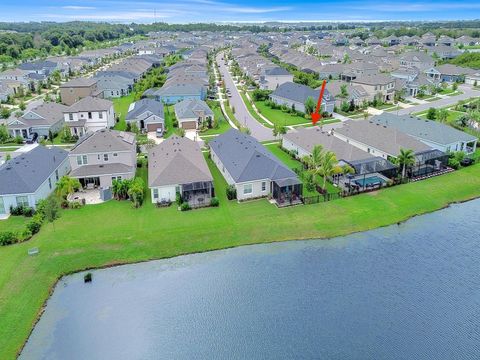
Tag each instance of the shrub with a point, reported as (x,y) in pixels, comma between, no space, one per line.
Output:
(454,163)
(178,198)
(28,211)
(75,205)
(185,206)
(34,225)
(231,192)
(8,237)
(16,210)
(26,234)
(214,202)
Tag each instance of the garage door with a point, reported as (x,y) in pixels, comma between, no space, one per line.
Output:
(153,127)
(189,125)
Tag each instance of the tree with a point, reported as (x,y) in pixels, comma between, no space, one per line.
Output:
(22,105)
(136,192)
(365,115)
(309,181)
(4,136)
(343,91)
(405,159)
(442,115)
(454,86)
(431,113)
(328,167)
(51,210)
(4,113)
(67,186)
(309,105)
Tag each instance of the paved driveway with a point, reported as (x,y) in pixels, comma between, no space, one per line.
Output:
(258,131)
(468,92)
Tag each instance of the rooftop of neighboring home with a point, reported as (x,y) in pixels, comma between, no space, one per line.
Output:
(105,140)
(378,79)
(140,107)
(25,173)
(246,159)
(37,65)
(449,69)
(429,130)
(90,103)
(79,82)
(307,138)
(192,108)
(179,89)
(386,139)
(177,160)
(417,56)
(276,71)
(299,93)
(49,112)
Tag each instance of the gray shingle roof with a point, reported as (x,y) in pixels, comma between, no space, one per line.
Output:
(105,140)
(248,160)
(298,92)
(385,139)
(90,103)
(175,161)
(192,108)
(102,169)
(145,105)
(25,173)
(423,129)
(307,138)
(276,71)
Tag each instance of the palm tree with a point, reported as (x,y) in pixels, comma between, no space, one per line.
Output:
(405,159)
(328,167)
(67,186)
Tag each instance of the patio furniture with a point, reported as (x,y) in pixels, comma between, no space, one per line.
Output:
(90,186)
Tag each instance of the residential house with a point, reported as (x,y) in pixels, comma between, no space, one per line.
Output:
(274,77)
(191,113)
(171,94)
(89,114)
(294,95)
(177,165)
(147,114)
(378,140)
(432,133)
(102,156)
(31,177)
(417,59)
(380,85)
(473,79)
(42,120)
(253,170)
(76,89)
(355,93)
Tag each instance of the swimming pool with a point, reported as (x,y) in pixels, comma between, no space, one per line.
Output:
(370,181)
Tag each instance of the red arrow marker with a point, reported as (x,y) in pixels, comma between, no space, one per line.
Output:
(316,115)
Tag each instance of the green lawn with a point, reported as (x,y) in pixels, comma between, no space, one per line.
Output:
(223,124)
(121,109)
(114,233)
(169,113)
(252,111)
(279,117)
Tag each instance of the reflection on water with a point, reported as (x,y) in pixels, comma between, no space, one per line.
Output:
(403,292)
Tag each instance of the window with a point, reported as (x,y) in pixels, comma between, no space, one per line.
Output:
(264,186)
(177,189)
(70,117)
(49,183)
(119,178)
(100,115)
(89,115)
(56,174)
(247,189)
(22,201)
(98,157)
(115,154)
(105,157)
(82,160)
(155,193)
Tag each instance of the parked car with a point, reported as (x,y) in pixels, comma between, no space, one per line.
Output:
(159,132)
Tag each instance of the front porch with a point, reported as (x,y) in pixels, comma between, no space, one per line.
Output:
(287,192)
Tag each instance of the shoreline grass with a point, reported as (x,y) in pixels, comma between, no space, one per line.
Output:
(113,233)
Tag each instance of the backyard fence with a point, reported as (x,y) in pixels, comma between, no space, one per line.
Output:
(315,199)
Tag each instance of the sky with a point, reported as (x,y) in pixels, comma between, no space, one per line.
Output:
(188,11)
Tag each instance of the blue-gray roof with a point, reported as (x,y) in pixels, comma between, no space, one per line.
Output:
(276,71)
(192,108)
(145,105)
(247,160)
(25,173)
(427,130)
(299,93)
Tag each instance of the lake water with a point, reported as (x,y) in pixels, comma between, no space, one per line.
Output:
(404,292)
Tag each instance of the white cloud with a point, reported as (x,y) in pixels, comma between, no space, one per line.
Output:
(75,7)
